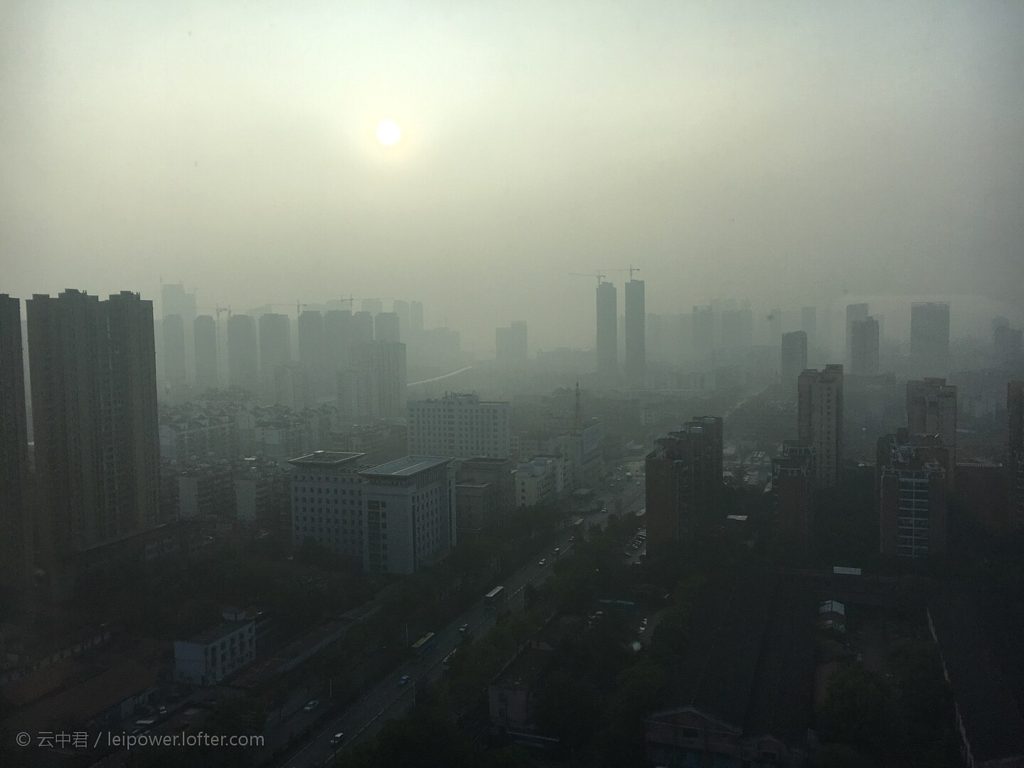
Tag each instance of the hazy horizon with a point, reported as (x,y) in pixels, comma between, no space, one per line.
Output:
(783,153)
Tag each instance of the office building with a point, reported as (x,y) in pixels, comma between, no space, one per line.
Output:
(211,656)
(93,374)
(15,532)
(174,351)
(683,485)
(820,421)
(460,426)
(929,338)
(793,360)
(607,331)
(243,354)
(485,494)
(913,482)
(510,344)
(864,342)
(410,513)
(386,328)
(327,503)
(854,313)
(205,339)
(538,480)
(932,410)
(636,334)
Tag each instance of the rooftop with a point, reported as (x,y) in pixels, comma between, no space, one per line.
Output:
(407,466)
(213,634)
(325,459)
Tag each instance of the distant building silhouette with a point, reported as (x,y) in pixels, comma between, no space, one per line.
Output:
(636,335)
(386,327)
(174,351)
(275,350)
(338,340)
(607,331)
(243,354)
(932,410)
(793,360)
(510,344)
(929,338)
(206,352)
(809,324)
(864,343)
(854,314)
(820,421)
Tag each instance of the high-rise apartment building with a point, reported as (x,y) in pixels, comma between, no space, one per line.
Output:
(607,331)
(809,324)
(1015,455)
(327,502)
(864,342)
(386,328)
(929,338)
(793,360)
(313,371)
(510,344)
(206,352)
(373,385)
(913,484)
(337,341)
(931,410)
(93,374)
(854,313)
(401,308)
(243,355)
(820,421)
(174,351)
(15,531)
(683,484)
(362,328)
(275,342)
(636,334)
(460,426)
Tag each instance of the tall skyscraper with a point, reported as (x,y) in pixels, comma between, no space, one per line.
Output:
(820,421)
(206,352)
(362,328)
(510,344)
(636,334)
(929,338)
(1015,457)
(243,367)
(93,374)
(913,472)
(337,340)
(401,308)
(15,532)
(931,410)
(386,327)
(854,313)
(864,342)
(607,331)
(683,484)
(275,344)
(809,324)
(175,300)
(793,361)
(174,351)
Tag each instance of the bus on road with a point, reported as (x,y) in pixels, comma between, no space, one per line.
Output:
(495,597)
(424,643)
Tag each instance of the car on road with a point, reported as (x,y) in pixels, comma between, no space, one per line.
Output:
(464,629)
(403,680)
(542,562)
(311,705)
(336,738)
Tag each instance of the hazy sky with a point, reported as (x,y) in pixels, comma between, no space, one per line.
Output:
(763,150)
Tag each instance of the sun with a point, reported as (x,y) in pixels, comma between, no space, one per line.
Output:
(388,132)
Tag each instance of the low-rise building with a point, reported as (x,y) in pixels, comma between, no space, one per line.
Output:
(538,480)
(213,655)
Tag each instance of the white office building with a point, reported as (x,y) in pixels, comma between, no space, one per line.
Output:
(460,426)
(211,656)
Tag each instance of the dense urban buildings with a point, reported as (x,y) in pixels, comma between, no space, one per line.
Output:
(929,338)
(93,374)
(15,533)
(460,426)
(607,347)
(820,421)
(1015,453)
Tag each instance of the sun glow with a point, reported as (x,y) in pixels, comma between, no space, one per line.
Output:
(388,133)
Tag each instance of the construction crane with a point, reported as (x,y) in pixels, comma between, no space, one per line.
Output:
(219,310)
(599,275)
(630,270)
